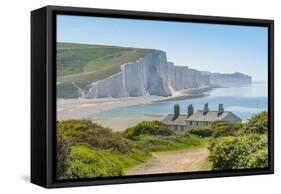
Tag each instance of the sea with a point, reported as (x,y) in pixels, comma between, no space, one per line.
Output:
(244,101)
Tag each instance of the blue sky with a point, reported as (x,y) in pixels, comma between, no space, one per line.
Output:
(208,47)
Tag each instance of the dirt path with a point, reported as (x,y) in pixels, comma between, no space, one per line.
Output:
(176,161)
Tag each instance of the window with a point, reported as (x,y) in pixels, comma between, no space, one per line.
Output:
(190,122)
(197,123)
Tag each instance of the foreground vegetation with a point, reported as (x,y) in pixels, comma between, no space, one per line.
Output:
(238,145)
(85,149)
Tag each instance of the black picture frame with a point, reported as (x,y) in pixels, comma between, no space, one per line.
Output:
(43,94)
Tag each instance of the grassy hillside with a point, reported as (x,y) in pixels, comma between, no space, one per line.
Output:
(83,64)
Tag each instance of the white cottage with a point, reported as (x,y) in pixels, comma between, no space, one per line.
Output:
(201,118)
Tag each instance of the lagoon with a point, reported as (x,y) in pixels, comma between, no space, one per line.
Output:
(244,101)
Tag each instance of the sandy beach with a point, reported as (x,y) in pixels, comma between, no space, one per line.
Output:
(83,108)
(88,108)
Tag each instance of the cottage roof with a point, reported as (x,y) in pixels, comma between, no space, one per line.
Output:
(180,120)
(212,116)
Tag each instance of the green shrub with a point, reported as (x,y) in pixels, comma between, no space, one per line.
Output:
(89,163)
(218,129)
(202,132)
(259,159)
(225,128)
(73,132)
(257,124)
(85,162)
(147,128)
(62,155)
(247,151)
(86,132)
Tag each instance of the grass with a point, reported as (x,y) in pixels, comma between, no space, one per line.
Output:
(171,143)
(84,64)
(86,162)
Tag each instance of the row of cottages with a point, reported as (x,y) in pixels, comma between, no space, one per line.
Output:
(201,118)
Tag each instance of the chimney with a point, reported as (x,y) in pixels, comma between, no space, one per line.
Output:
(190,110)
(220,110)
(176,111)
(206,109)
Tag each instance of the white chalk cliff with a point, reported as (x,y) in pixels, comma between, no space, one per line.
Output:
(150,75)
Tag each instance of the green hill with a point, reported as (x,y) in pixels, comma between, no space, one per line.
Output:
(78,65)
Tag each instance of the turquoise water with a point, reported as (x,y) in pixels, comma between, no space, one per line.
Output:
(244,101)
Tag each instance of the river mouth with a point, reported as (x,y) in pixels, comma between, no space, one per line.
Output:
(120,114)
